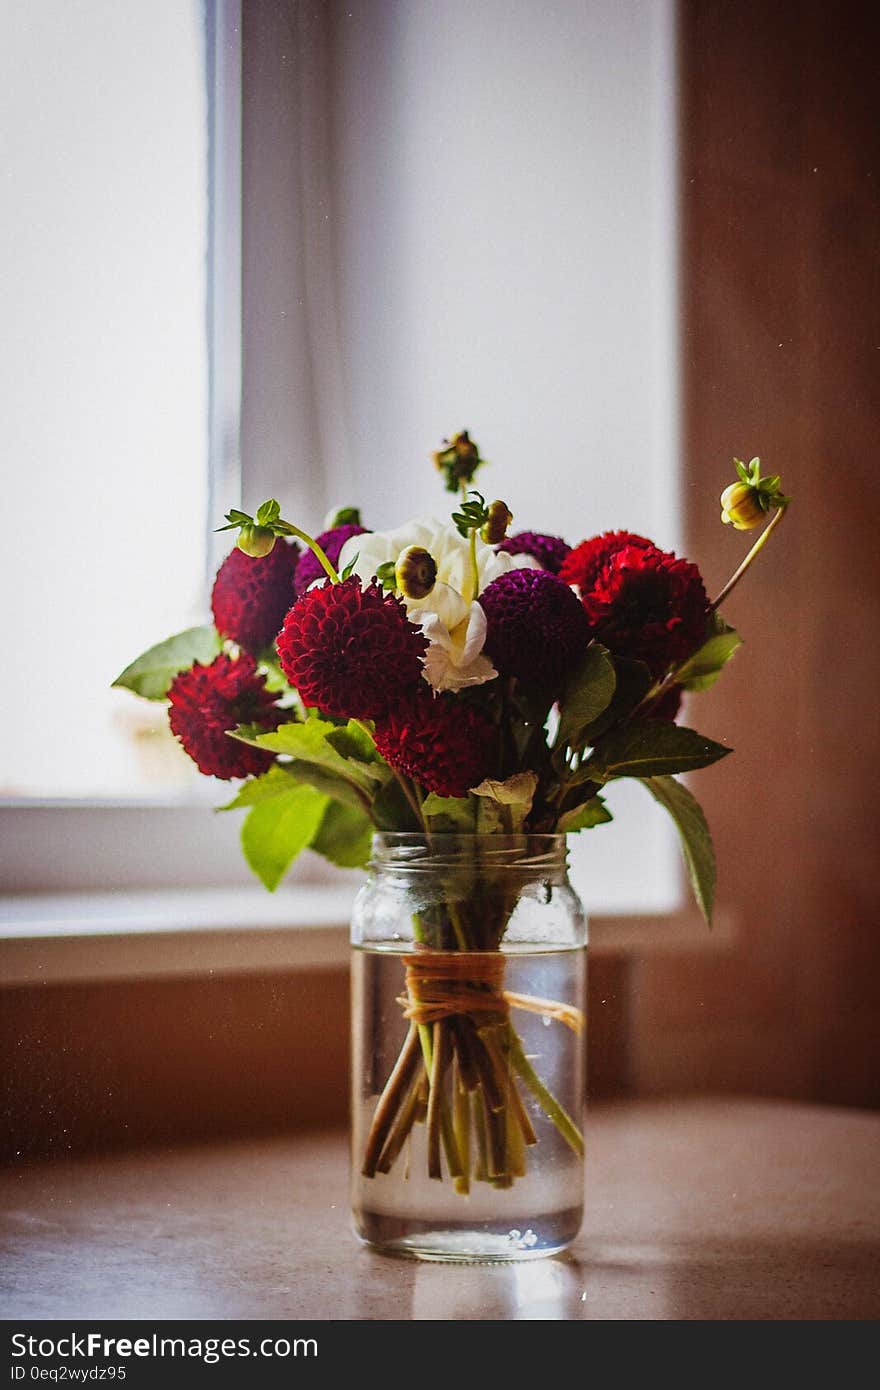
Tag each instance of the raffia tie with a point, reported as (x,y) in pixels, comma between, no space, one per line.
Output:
(442,983)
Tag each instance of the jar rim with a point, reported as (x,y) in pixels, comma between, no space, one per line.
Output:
(449,837)
(418,850)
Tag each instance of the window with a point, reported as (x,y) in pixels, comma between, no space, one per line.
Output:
(105,381)
(411,263)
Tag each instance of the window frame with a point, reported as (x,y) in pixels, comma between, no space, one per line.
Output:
(254,414)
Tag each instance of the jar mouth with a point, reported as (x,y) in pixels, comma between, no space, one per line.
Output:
(413,850)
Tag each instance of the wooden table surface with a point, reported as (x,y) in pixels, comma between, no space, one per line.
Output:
(723,1209)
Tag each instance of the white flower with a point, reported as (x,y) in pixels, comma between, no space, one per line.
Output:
(454,624)
(451,553)
(454,659)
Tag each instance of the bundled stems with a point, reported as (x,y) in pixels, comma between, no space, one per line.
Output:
(460,1071)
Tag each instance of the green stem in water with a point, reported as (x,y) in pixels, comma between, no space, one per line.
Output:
(481,1167)
(461,1124)
(389,1103)
(400,1130)
(548,1103)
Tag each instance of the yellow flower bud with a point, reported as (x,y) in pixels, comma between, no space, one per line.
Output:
(495,527)
(416,572)
(256,541)
(741,506)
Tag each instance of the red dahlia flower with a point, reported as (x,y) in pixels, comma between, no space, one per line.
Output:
(648,605)
(331,542)
(441,742)
(207,701)
(251,596)
(582,565)
(549,551)
(536,628)
(350,650)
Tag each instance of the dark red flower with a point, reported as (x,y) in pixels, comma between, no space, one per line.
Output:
(251,596)
(647,605)
(206,701)
(441,742)
(536,628)
(350,650)
(331,542)
(549,551)
(582,565)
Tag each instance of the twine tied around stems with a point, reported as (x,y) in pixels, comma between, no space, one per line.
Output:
(441,984)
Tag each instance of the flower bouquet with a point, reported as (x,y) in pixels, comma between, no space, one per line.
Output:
(452,679)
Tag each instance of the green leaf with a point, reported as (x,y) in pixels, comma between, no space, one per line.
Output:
(349,568)
(391,809)
(275,832)
(343,516)
(633,683)
(276,681)
(309,743)
(337,788)
(353,742)
(268,512)
(387,575)
(586,695)
(456,814)
(276,782)
(651,748)
(703,669)
(152,673)
(514,798)
(584,817)
(693,833)
(344,836)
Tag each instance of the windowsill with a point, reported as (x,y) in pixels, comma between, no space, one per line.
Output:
(66,937)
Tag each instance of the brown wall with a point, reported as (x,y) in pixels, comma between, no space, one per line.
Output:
(780,196)
(88,1066)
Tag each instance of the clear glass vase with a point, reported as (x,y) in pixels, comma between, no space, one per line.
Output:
(469,1049)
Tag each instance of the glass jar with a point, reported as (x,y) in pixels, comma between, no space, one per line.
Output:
(469,1050)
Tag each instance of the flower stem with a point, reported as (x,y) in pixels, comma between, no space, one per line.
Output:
(461,1123)
(435,1097)
(659,688)
(411,795)
(400,1130)
(291,530)
(475,573)
(740,571)
(548,1103)
(390,1101)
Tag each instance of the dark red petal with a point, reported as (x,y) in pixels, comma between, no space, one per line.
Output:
(207,701)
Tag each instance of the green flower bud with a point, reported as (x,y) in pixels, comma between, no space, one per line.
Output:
(256,541)
(343,516)
(416,572)
(458,460)
(497,521)
(741,506)
(745,504)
